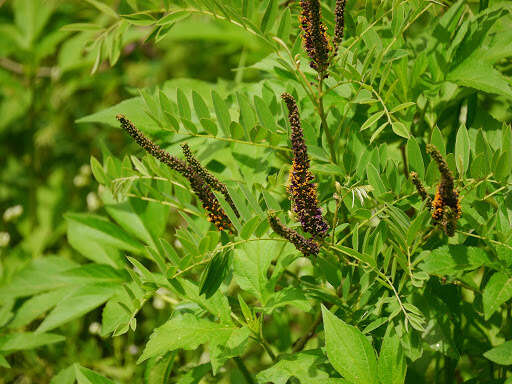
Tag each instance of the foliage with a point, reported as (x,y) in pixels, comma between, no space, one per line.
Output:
(388,297)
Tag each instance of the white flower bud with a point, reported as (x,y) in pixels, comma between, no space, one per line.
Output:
(4,239)
(13,213)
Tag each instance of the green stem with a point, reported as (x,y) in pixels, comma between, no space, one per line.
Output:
(267,349)
(245,372)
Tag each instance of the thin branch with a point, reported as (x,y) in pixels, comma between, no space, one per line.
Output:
(301,343)
(245,372)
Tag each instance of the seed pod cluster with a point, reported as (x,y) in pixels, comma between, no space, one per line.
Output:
(200,187)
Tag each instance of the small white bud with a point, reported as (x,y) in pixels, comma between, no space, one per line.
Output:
(5,238)
(85,170)
(162,291)
(80,181)
(93,202)
(133,349)
(158,303)
(13,213)
(94,328)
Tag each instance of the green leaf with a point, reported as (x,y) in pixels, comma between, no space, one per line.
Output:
(143,220)
(98,239)
(27,340)
(504,167)
(375,180)
(497,291)
(453,259)
(192,333)
(121,309)
(266,118)
(392,365)
(349,351)
(289,296)
(97,171)
(400,129)
(236,345)
(217,305)
(462,150)
(269,16)
(5,364)
(158,369)
(65,376)
(222,113)
(214,274)
(372,120)
(183,106)
(502,354)
(437,140)
(140,18)
(250,264)
(305,366)
(103,8)
(37,305)
(77,304)
(415,160)
(284,28)
(194,375)
(38,276)
(172,17)
(476,73)
(402,106)
(209,126)
(200,106)
(87,376)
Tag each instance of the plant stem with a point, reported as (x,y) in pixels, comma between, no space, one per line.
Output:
(267,349)
(245,372)
(301,343)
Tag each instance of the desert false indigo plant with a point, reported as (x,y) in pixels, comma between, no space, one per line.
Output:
(390,86)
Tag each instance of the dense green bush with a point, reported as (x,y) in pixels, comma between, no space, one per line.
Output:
(371,290)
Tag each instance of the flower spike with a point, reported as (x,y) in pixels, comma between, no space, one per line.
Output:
(420,188)
(339,26)
(303,192)
(150,147)
(446,208)
(315,38)
(212,181)
(306,246)
(202,190)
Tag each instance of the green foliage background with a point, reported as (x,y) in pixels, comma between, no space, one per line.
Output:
(111,273)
